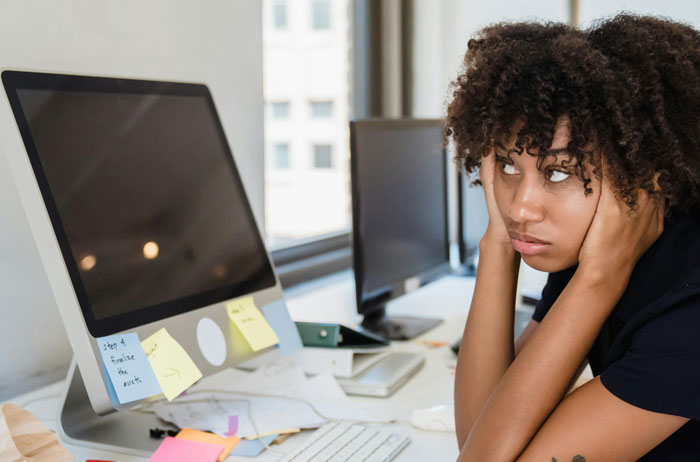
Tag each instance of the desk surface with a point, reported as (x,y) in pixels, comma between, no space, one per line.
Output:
(333,300)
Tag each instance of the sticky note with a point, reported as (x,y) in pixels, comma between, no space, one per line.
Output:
(247,319)
(277,315)
(232,425)
(286,431)
(127,368)
(210,438)
(173,367)
(251,448)
(181,450)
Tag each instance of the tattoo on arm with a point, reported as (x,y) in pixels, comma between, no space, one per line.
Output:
(577,458)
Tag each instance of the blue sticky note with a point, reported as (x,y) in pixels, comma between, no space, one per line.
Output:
(278,318)
(128,367)
(110,388)
(251,448)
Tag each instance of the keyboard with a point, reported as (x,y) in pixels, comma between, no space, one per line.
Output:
(344,442)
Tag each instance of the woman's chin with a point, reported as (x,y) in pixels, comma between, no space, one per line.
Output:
(548,264)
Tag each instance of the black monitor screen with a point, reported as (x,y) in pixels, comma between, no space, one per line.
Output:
(399,201)
(145,200)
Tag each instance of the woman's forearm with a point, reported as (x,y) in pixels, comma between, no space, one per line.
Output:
(535,382)
(487,343)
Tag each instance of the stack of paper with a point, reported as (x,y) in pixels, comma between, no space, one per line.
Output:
(291,401)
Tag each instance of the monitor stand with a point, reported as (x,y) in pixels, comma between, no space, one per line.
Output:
(397,327)
(125,432)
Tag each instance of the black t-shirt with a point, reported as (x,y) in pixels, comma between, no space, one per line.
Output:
(648,351)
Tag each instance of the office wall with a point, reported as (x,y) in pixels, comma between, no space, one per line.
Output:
(217,42)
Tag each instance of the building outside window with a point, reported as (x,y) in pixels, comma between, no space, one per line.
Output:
(321,109)
(280,110)
(323,156)
(302,68)
(282,159)
(279,14)
(320,15)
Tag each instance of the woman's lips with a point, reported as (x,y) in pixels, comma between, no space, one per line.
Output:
(526,244)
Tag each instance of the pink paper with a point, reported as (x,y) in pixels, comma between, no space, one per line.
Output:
(177,450)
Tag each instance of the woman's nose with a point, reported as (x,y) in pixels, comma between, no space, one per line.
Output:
(526,205)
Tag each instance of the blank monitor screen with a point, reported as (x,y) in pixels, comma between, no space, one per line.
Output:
(145,200)
(399,200)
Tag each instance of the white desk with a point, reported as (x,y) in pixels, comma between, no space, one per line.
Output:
(334,300)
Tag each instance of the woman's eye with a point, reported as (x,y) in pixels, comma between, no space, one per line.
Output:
(555,176)
(508,169)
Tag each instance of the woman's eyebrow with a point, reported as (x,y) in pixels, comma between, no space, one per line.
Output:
(554,152)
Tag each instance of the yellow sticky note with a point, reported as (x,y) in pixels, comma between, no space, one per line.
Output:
(286,431)
(249,321)
(174,368)
(210,438)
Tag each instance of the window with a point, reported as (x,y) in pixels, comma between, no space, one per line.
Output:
(320,15)
(279,14)
(280,110)
(306,81)
(281,160)
(323,156)
(322,109)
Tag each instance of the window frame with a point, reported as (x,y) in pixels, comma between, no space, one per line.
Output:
(275,105)
(315,105)
(321,3)
(275,4)
(322,149)
(276,153)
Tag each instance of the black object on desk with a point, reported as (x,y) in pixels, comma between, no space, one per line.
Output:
(400,219)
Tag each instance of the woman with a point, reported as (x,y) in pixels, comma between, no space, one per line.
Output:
(588,149)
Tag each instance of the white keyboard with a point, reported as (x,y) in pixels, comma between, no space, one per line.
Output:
(343,442)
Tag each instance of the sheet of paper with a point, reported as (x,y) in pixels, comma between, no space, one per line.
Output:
(174,368)
(210,412)
(210,438)
(284,378)
(247,319)
(180,450)
(252,448)
(127,367)
(278,317)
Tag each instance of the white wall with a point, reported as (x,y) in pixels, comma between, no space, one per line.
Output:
(217,42)
(687,11)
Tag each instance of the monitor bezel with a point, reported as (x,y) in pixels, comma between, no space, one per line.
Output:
(368,302)
(18,80)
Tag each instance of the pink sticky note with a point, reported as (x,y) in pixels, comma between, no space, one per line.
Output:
(232,425)
(177,450)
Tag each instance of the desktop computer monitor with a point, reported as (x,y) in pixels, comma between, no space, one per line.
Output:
(142,223)
(400,218)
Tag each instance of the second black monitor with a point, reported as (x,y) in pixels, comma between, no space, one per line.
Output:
(400,217)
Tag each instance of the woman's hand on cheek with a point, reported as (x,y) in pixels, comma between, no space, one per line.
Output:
(496,231)
(618,236)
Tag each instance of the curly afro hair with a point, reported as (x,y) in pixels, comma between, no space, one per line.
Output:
(629,86)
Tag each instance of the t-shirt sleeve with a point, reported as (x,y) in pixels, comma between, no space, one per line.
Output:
(660,371)
(556,282)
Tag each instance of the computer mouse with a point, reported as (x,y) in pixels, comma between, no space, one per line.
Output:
(440,418)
